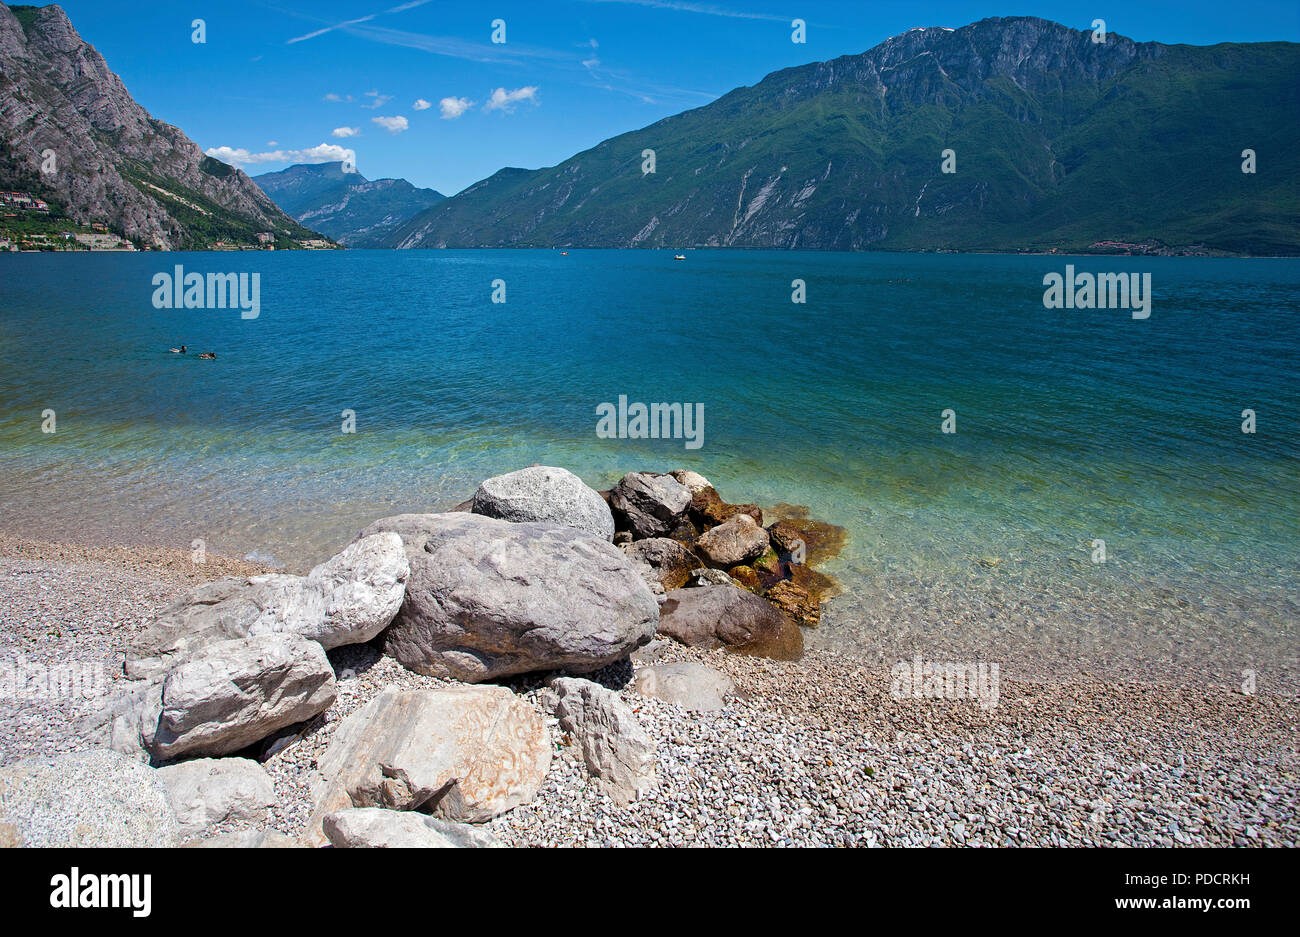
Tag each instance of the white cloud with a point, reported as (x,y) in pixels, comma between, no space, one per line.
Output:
(337,98)
(346,132)
(391,124)
(321,153)
(421,104)
(503,100)
(271,143)
(379,100)
(454,107)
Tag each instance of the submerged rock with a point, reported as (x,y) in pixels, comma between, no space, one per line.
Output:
(795,603)
(709,510)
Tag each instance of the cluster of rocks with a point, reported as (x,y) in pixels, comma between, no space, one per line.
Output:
(538,573)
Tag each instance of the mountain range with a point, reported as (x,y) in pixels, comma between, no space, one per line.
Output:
(1057,141)
(344,205)
(71,134)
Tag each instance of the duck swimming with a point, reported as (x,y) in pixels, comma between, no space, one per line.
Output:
(177,351)
(208,355)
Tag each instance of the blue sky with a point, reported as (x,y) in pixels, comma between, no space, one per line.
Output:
(277,80)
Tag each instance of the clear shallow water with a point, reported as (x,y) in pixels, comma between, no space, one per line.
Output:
(1072,425)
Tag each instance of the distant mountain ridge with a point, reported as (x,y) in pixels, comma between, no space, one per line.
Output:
(114,163)
(1059,142)
(351,209)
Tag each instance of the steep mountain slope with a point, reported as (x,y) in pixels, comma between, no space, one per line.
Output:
(346,206)
(114,164)
(1059,142)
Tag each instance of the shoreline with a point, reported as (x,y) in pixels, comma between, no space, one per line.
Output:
(813,752)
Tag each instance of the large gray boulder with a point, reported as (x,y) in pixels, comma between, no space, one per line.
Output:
(85,799)
(733,542)
(694,687)
(487,598)
(377,828)
(220,699)
(724,616)
(207,793)
(651,505)
(461,752)
(348,599)
(547,494)
(619,753)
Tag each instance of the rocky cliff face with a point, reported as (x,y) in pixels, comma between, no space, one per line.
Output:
(113,163)
(1058,141)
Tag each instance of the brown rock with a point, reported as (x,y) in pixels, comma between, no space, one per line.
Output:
(795,603)
(768,564)
(733,542)
(724,616)
(822,541)
(709,510)
(662,560)
(746,576)
(818,585)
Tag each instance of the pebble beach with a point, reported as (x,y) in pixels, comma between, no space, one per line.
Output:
(814,752)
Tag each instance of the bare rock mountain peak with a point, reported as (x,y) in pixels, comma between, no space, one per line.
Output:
(71,132)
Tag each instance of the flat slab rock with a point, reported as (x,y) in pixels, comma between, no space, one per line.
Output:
(547,494)
(376,828)
(85,799)
(488,598)
(462,753)
(694,687)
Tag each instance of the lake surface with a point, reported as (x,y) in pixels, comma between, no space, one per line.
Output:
(1072,425)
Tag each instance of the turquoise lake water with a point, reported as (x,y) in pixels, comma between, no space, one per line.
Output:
(1072,425)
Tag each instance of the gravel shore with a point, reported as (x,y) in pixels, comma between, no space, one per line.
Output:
(811,753)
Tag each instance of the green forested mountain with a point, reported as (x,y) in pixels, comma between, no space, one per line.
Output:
(1059,142)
